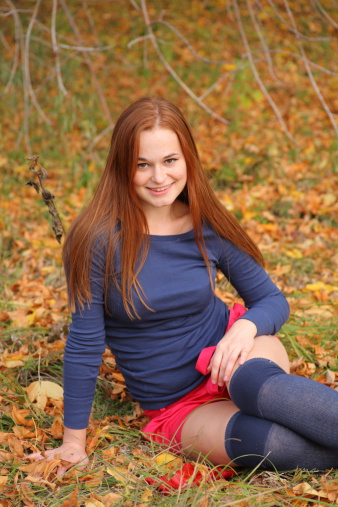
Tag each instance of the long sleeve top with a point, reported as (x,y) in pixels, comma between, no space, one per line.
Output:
(157,352)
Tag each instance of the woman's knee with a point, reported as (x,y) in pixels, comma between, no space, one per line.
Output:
(268,347)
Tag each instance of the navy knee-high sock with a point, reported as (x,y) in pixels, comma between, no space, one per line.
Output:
(251,441)
(261,388)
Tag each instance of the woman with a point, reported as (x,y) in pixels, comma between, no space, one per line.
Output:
(141,263)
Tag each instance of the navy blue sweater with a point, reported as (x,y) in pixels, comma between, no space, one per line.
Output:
(157,353)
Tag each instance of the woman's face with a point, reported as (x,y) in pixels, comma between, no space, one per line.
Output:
(161,173)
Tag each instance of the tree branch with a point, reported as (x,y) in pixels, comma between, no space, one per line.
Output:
(257,76)
(171,70)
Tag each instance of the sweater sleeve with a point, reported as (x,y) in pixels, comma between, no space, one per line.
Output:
(83,354)
(267,306)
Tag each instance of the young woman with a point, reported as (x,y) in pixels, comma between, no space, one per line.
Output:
(141,263)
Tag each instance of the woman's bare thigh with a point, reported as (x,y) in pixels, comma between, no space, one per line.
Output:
(203,433)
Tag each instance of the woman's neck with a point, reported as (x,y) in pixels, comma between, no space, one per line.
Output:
(169,220)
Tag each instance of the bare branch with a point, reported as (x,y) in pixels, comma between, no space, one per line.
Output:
(56,50)
(171,70)
(134,4)
(231,76)
(325,13)
(4,41)
(294,30)
(138,39)
(257,76)
(90,20)
(263,42)
(86,49)
(16,53)
(88,62)
(20,38)
(309,71)
(26,65)
(100,136)
(13,11)
(187,43)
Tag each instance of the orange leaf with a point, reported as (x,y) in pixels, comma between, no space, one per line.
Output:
(15,446)
(22,416)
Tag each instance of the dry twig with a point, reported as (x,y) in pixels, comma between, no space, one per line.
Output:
(48,198)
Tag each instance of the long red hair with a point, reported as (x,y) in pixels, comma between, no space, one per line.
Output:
(116,215)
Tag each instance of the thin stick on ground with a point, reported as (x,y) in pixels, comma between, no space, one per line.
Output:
(47,196)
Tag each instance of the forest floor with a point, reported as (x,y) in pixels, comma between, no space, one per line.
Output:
(285,196)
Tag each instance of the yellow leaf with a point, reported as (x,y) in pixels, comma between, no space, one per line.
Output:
(313,287)
(294,253)
(165,458)
(14,364)
(39,391)
(120,474)
(111,499)
(304,488)
(229,67)
(51,389)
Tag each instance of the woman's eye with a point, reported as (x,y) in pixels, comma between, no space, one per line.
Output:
(142,165)
(171,160)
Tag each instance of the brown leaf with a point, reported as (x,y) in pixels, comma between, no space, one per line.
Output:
(21,432)
(330,377)
(56,430)
(22,416)
(39,480)
(5,456)
(15,446)
(94,479)
(4,316)
(304,488)
(3,481)
(111,499)
(71,501)
(110,452)
(329,489)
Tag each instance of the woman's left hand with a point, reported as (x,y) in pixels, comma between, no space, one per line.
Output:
(235,346)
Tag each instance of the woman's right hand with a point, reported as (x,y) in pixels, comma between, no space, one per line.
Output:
(72,452)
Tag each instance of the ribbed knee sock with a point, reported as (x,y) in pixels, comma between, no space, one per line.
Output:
(251,441)
(262,389)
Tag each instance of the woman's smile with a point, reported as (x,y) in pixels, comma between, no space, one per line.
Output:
(161,190)
(161,173)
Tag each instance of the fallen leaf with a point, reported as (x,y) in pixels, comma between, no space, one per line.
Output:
(22,416)
(3,481)
(15,446)
(168,460)
(121,474)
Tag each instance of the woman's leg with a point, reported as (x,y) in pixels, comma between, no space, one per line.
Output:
(248,438)
(261,388)
(204,430)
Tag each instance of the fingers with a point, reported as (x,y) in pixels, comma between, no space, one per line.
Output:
(226,357)
(38,455)
(223,363)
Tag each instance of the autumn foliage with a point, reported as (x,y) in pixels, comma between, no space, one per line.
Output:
(284,193)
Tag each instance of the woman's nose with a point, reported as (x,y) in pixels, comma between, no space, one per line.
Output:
(159,174)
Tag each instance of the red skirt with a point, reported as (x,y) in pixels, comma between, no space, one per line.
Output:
(165,425)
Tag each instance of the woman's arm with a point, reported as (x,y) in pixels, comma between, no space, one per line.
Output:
(267,311)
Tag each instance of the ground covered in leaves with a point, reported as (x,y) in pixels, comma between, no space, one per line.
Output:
(285,195)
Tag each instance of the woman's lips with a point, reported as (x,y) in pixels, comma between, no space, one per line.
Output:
(160,190)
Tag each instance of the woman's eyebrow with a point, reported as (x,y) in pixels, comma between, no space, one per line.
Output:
(166,156)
